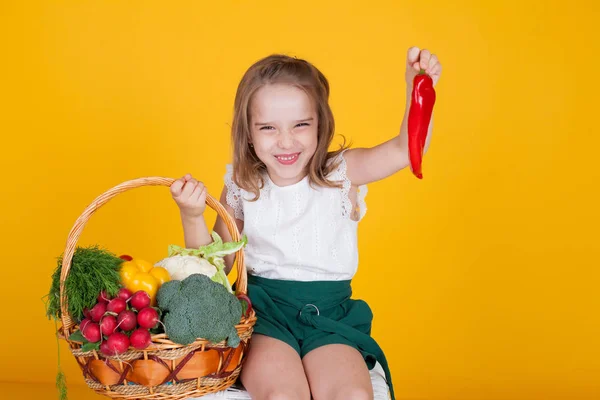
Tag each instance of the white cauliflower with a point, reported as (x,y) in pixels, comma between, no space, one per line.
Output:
(180,267)
(207,260)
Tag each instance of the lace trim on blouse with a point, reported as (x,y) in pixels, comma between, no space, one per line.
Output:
(234,194)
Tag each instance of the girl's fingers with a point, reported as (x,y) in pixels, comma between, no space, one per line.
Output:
(424,58)
(199,195)
(412,55)
(433,61)
(188,189)
(193,198)
(176,187)
(193,183)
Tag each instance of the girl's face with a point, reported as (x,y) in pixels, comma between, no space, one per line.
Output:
(283,127)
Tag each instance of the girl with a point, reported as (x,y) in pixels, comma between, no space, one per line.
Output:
(299,205)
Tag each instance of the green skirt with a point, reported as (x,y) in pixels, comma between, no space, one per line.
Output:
(307,315)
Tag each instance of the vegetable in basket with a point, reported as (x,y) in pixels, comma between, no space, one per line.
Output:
(93,270)
(138,274)
(113,331)
(206,260)
(199,308)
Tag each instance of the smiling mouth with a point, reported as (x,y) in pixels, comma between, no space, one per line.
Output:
(287,159)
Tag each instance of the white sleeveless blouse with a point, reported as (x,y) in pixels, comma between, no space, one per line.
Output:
(298,232)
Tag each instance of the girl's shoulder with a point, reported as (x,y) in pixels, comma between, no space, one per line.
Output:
(336,163)
(353,197)
(234,193)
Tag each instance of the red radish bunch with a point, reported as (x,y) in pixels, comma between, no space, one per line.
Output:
(116,305)
(124,294)
(140,338)
(140,300)
(108,324)
(98,311)
(126,320)
(117,343)
(147,318)
(103,297)
(120,322)
(91,332)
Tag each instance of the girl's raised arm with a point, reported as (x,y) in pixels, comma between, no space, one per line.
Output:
(366,165)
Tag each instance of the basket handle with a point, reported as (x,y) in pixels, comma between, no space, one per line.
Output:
(75,233)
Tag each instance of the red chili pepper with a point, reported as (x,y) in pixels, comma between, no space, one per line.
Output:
(419,117)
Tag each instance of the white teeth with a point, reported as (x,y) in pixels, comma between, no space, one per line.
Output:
(286,158)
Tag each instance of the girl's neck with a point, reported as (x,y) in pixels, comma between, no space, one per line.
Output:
(283,182)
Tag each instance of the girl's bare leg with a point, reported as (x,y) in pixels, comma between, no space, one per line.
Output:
(338,372)
(273,370)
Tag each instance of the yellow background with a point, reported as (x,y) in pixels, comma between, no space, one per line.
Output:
(483,276)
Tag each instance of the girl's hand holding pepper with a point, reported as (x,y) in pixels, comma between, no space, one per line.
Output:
(422,73)
(417,60)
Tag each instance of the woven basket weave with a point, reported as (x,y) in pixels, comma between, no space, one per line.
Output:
(164,370)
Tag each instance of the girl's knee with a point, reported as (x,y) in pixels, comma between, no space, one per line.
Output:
(352,392)
(280,391)
(263,384)
(286,394)
(356,393)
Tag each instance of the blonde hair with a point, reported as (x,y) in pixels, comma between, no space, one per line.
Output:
(248,169)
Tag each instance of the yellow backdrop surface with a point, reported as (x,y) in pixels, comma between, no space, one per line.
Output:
(484,276)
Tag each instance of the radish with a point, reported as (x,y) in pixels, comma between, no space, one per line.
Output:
(140,338)
(126,320)
(108,325)
(116,343)
(124,294)
(103,297)
(98,311)
(92,332)
(139,300)
(86,312)
(126,257)
(116,305)
(104,348)
(147,318)
(83,323)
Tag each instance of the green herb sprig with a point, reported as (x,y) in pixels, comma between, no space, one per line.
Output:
(93,269)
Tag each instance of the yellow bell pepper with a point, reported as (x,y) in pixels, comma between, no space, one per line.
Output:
(137,274)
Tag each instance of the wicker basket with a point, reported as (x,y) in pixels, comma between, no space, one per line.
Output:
(164,370)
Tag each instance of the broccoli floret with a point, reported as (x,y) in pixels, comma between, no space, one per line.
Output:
(198,307)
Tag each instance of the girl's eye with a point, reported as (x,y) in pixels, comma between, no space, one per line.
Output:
(265,128)
(303,124)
